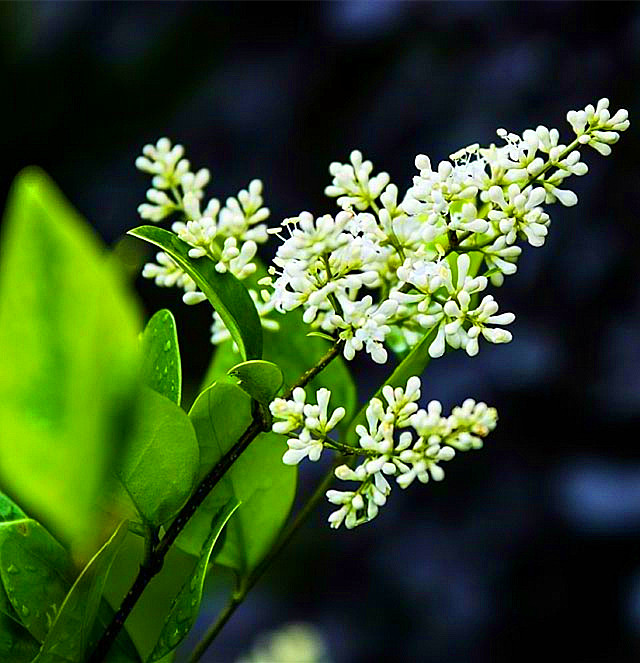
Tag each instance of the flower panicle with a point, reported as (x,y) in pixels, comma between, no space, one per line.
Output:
(386,271)
(227,234)
(386,267)
(400,441)
(312,422)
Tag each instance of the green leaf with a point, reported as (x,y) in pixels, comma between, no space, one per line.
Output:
(6,609)
(68,340)
(226,293)
(161,368)
(326,337)
(220,415)
(294,352)
(414,364)
(16,644)
(259,479)
(15,641)
(160,466)
(185,607)
(9,511)
(36,572)
(169,658)
(266,487)
(144,624)
(69,637)
(260,379)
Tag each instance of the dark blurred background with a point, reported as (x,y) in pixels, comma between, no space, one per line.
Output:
(530,549)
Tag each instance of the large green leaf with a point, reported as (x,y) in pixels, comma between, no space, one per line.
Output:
(36,572)
(259,479)
(9,511)
(161,368)
(184,609)
(219,416)
(16,644)
(69,637)
(414,363)
(225,292)
(266,487)
(294,352)
(160,466)
(68,339)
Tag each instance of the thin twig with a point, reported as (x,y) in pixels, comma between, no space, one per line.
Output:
(287,534)
(154,557)
(311,373)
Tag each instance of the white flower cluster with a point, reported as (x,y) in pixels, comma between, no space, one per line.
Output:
(227,235)
(352,184)
(428,439)
(596,127)
(172,179)
(399,440)
(388,452)
(457,322)
(380,268)
(314,423)
(385,272)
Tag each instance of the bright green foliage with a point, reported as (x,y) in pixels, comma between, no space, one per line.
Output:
(260,379)
(36,572)
(258,479)
(185,608)
(294,352)
(9,511)
(159,469)
(226,293)
(266,487)
(414,363)
(161,368)
(69,637)
(16,643)
(68,339)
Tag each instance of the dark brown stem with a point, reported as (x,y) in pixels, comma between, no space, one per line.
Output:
(154,557)
(311,373)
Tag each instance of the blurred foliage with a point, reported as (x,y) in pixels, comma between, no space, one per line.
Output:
(71,359)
